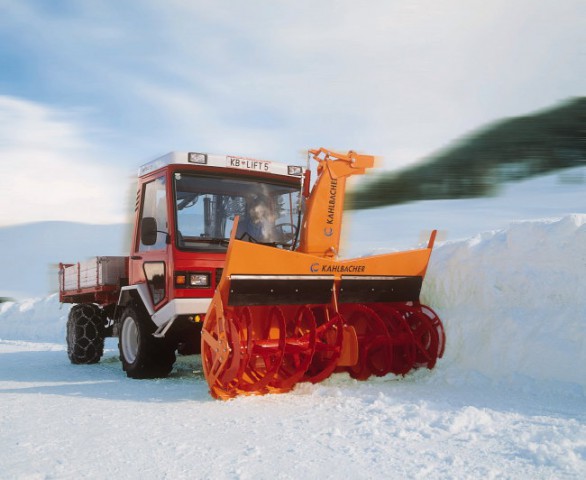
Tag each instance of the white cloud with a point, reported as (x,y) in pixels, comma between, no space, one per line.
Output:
(48,171)
(392,78)
(380,76)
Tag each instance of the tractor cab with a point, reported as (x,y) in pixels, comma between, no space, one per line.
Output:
(186,207)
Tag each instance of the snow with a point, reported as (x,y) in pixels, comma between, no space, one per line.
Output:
(513,300)
(508,400)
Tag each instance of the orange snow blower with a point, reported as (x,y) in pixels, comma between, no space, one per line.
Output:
(279,317)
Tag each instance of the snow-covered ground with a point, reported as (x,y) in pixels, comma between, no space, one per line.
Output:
(508,400)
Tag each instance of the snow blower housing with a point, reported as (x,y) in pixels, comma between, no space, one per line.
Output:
(224,264)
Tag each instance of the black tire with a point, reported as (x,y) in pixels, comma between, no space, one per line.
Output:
(85,333)
(141,354)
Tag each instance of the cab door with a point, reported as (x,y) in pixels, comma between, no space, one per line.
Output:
(149,261)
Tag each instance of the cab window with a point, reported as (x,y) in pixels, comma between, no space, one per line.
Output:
(154,205)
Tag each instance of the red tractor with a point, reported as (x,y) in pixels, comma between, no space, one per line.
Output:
(155,299)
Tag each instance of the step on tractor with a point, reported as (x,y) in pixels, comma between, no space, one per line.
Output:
(237,259)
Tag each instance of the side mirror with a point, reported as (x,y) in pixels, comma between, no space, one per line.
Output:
(148,231)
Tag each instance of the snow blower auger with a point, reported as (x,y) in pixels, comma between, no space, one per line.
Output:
(279,317)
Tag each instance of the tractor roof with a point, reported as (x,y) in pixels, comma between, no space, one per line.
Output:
(223,161)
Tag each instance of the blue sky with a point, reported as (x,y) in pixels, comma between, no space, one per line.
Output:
(90,90)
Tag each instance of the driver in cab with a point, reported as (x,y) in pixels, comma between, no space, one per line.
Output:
(258,225)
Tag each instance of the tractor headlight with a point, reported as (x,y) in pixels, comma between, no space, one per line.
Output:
(192,279)
(199,279)
(200,158)
(294,170)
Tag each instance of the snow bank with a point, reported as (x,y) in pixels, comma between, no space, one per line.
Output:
(37,320)
(514,301)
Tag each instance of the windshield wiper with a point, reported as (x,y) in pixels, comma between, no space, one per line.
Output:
(187,201)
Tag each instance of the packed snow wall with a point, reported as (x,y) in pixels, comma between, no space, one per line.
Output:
(34,320)
(514,301)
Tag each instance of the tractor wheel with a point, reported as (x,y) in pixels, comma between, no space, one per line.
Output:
(85,333)
(142,355)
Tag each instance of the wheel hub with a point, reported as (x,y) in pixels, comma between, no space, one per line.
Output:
(129,339)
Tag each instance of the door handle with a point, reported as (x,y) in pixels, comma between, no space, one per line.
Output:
(136,257)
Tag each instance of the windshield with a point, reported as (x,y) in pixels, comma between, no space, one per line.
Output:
(206,207)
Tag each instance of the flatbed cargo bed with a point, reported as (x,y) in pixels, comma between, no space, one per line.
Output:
(97,280)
